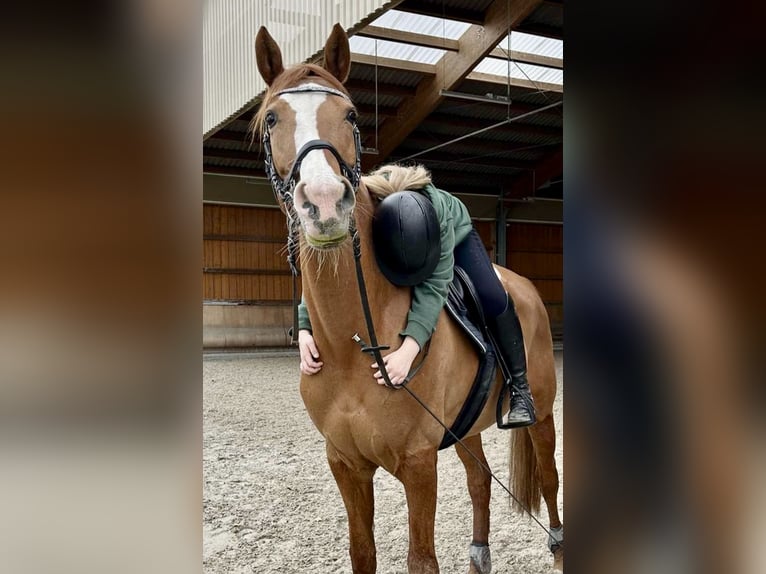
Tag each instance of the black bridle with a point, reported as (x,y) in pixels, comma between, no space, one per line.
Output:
(283,188)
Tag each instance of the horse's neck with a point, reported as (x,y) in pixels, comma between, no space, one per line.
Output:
(332,292)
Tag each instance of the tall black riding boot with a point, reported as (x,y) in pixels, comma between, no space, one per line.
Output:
(506,329)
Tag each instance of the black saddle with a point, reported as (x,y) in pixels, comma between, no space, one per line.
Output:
(464,307)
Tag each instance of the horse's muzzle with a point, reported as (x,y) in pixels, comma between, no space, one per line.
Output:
(324,207)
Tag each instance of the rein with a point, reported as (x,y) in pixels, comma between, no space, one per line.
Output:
(283,191)
(373,348)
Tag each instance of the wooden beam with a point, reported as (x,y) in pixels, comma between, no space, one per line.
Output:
(527,183)
(528,58)
(245,238)
(423,40)
(475,44)
(516,82)
(393,63)
(240,271)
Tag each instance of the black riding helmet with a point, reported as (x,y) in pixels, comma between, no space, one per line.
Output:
(405,232)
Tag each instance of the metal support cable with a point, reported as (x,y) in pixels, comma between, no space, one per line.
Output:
(482,130)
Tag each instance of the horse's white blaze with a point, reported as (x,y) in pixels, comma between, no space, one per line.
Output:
(305,106)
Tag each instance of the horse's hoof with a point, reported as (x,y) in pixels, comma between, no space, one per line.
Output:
(481,561)
(558,560)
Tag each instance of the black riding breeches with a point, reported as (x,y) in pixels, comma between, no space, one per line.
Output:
(472,257)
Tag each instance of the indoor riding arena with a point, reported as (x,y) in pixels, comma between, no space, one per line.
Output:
(271,504)
(473,91)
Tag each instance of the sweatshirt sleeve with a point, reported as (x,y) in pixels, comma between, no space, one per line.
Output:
(429,296)
(303,316)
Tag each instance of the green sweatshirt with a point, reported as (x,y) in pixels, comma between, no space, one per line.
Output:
(429,296)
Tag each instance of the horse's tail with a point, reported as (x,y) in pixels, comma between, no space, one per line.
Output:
(525,480)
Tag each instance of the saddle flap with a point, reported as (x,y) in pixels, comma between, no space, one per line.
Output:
(464,307)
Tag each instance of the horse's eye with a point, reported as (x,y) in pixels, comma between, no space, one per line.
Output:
(270,118)
(351,116)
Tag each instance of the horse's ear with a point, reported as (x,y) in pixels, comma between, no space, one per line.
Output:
(337,54)
(268,56)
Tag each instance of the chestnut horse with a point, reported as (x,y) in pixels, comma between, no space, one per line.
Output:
(366,425)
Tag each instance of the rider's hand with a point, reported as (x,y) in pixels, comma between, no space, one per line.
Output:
(310,363)
(398,363)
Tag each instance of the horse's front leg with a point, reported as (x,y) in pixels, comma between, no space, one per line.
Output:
(479,487)
(418,475)
(355,485)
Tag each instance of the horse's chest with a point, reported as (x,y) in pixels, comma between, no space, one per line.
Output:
(357,424)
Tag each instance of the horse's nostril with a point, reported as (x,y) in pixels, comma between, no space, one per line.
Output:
(312,209)
(348,200)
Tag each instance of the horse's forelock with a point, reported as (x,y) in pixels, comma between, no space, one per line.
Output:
(288,79)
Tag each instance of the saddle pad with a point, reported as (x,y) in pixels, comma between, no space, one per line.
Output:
(464,307)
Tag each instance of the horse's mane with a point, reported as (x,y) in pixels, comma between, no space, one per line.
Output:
(287,79)
(391,178)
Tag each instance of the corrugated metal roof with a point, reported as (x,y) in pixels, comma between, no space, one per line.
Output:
(244,145)
(395,50)
(494,156)
(368,98)
(531,44)
(420,24)
(453,130)
(231,80)
(496,112)
(234,163)
(450,29)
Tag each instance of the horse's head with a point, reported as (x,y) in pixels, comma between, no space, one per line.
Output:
(311,140)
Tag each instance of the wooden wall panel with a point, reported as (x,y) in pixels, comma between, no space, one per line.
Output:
(486,230)
(243,255)
(536,252)
(535,237)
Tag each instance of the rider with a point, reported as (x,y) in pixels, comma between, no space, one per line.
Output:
(461,245)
